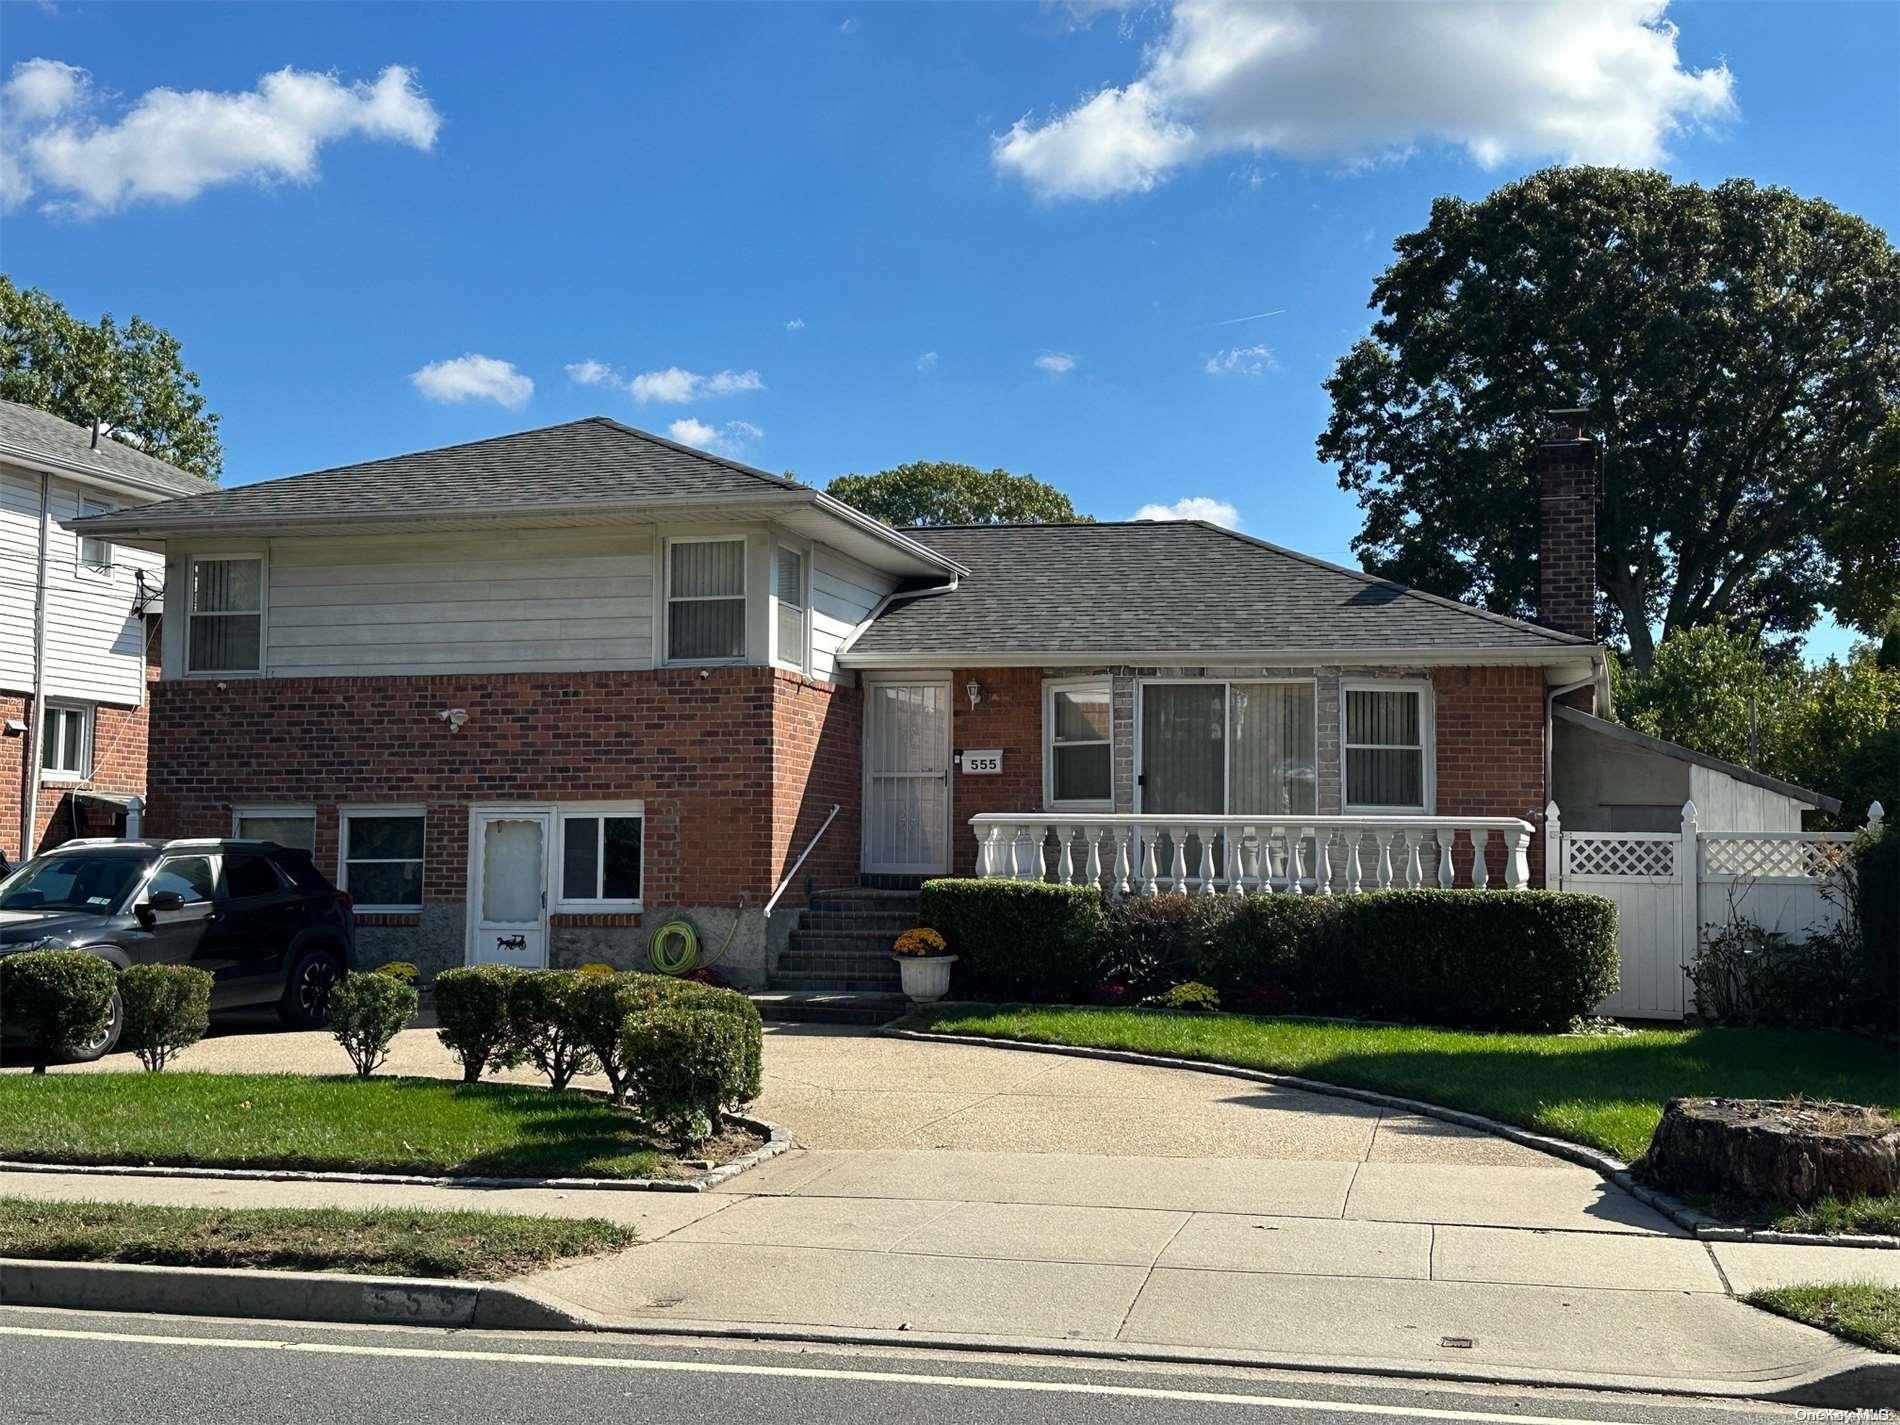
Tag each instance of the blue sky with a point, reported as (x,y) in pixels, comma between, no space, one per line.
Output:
(995,233)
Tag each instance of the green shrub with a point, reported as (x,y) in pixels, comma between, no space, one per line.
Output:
(366,1013)
(398,970)
(166,1008)
(600,1003)
(1148,942)
(471,1014)
(685,1067)
(56,1000)
(1189,994)
(1270,943)
(1017,940)
(543,1027)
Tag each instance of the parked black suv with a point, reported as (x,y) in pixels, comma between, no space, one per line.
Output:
(258,916)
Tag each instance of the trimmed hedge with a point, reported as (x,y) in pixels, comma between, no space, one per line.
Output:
(1461,958)
(1020,940)
(56,999)
(545,1027)
(471,1014)
(166,1008)
(686,1066)
(366,1013)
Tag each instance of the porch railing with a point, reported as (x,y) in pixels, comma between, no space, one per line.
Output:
(1238,855)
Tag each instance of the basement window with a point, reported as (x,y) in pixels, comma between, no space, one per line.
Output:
(382,858)
(66,742)
(601,857)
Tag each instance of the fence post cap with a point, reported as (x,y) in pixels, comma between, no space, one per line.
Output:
(1551,812)
(1876,813)
(1688,813)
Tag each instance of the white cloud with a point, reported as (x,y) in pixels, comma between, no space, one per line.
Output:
(796,324)
(1056,363)
(474,378)
(675,386)
(927,363)
(727,439)
(1255,360)
(591,373)
(170,146)
(1194,507)
(1585,81)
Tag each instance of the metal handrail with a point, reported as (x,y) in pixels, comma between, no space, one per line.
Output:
(799,862)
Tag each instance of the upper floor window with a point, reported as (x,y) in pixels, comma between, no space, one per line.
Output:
(1076,721)
(66,741)
(1385,743)
(705,600)
(226,633)
(793,606)
(94,553)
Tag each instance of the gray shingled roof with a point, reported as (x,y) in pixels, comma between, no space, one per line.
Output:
(1675,750)
(41,433)
(1184,586)
(583,461)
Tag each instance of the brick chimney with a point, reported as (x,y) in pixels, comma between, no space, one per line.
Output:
(1567,544)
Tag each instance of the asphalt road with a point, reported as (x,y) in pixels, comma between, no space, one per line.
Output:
(147,1370)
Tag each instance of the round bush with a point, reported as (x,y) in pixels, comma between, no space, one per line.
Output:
(166,1008)
(56,1000)
(398,970)
(471,1013)
(543,1026)
(685,1066)
(366,1013)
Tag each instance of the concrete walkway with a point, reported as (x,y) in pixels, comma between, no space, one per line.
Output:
(999,1195)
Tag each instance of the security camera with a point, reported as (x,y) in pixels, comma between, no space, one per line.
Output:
(454,717)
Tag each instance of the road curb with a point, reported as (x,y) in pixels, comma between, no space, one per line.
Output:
(1693,1221)
(282,1296)
(777,1140)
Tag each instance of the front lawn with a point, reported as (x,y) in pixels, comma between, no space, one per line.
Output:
(1866,1315)
(1601,1090)
(385,1242)
(390,1125)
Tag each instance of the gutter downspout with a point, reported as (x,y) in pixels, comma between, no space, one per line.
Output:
(1550,735)
(36,719)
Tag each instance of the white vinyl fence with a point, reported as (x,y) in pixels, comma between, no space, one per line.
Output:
(1669,885)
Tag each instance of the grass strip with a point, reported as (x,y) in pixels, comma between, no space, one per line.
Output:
(384,1242)
(1855,1311)
(346,1124)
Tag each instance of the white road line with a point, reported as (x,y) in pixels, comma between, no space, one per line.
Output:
(536,1358)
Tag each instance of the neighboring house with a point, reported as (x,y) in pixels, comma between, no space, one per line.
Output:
(530,696)
(77,614)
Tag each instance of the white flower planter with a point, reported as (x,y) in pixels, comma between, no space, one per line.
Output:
(925,977)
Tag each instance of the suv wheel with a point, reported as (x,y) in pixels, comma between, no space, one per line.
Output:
(306,1001)
(103,1043)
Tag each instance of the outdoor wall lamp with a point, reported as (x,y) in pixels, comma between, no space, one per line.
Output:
(974,691)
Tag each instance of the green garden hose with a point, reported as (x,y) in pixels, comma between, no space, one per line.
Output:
(674,948)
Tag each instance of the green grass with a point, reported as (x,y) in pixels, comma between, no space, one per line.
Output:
(1866,1315)
(485,1245)
(1606,1091)
(343,1124)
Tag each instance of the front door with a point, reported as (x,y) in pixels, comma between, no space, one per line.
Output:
(907,778)
(509,922)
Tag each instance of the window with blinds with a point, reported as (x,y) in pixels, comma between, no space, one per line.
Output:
(705,600)
(1384,746)
(1237,749)
(226,632)
(1077,721)
(792,607)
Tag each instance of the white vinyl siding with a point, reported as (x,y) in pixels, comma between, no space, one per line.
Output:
(95,640)
(843,593)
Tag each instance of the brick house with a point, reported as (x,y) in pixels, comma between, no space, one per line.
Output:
(78,624)
(529,697)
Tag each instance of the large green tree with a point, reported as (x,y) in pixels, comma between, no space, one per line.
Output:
(937,492)
(1737,348)
(132,379)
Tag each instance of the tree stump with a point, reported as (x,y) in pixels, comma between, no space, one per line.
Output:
(1788,1151)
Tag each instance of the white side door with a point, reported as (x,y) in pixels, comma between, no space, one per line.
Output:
(907,778)
(508,887)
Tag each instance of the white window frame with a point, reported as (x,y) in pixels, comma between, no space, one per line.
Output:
(1427,747)
(344,816)
(1227,751)
(262,612)
(802,661)
(563,812)
(86,567)
(88,721)
(667,600)
(282,811)
(1075,685)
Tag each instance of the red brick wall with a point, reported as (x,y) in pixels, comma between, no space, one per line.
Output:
(817,741)
(1490,731)
(1009,716)
(1567,542)
(698,748)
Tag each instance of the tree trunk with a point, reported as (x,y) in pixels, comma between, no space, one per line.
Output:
(1792,1153)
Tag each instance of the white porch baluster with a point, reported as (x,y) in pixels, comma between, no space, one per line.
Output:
(1124,842)
(1352,863)
(1065,861)
(1445,836)
(1517,859)
(1295,873)
(1149,885)
(1177,878)
(1480,873)
(1323,861)
(1414,872)
(1236,861)
(1095,856)
(1384,838)
(1206,867)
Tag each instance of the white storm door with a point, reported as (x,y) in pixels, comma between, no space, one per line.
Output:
(509,888)
(907,778)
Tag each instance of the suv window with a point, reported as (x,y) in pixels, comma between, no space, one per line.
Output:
(189,876)
(246,876)
(73,882)
(296,864)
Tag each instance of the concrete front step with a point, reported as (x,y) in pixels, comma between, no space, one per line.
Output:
(829,1006)
(847,942)
(864,898)
(860,921)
